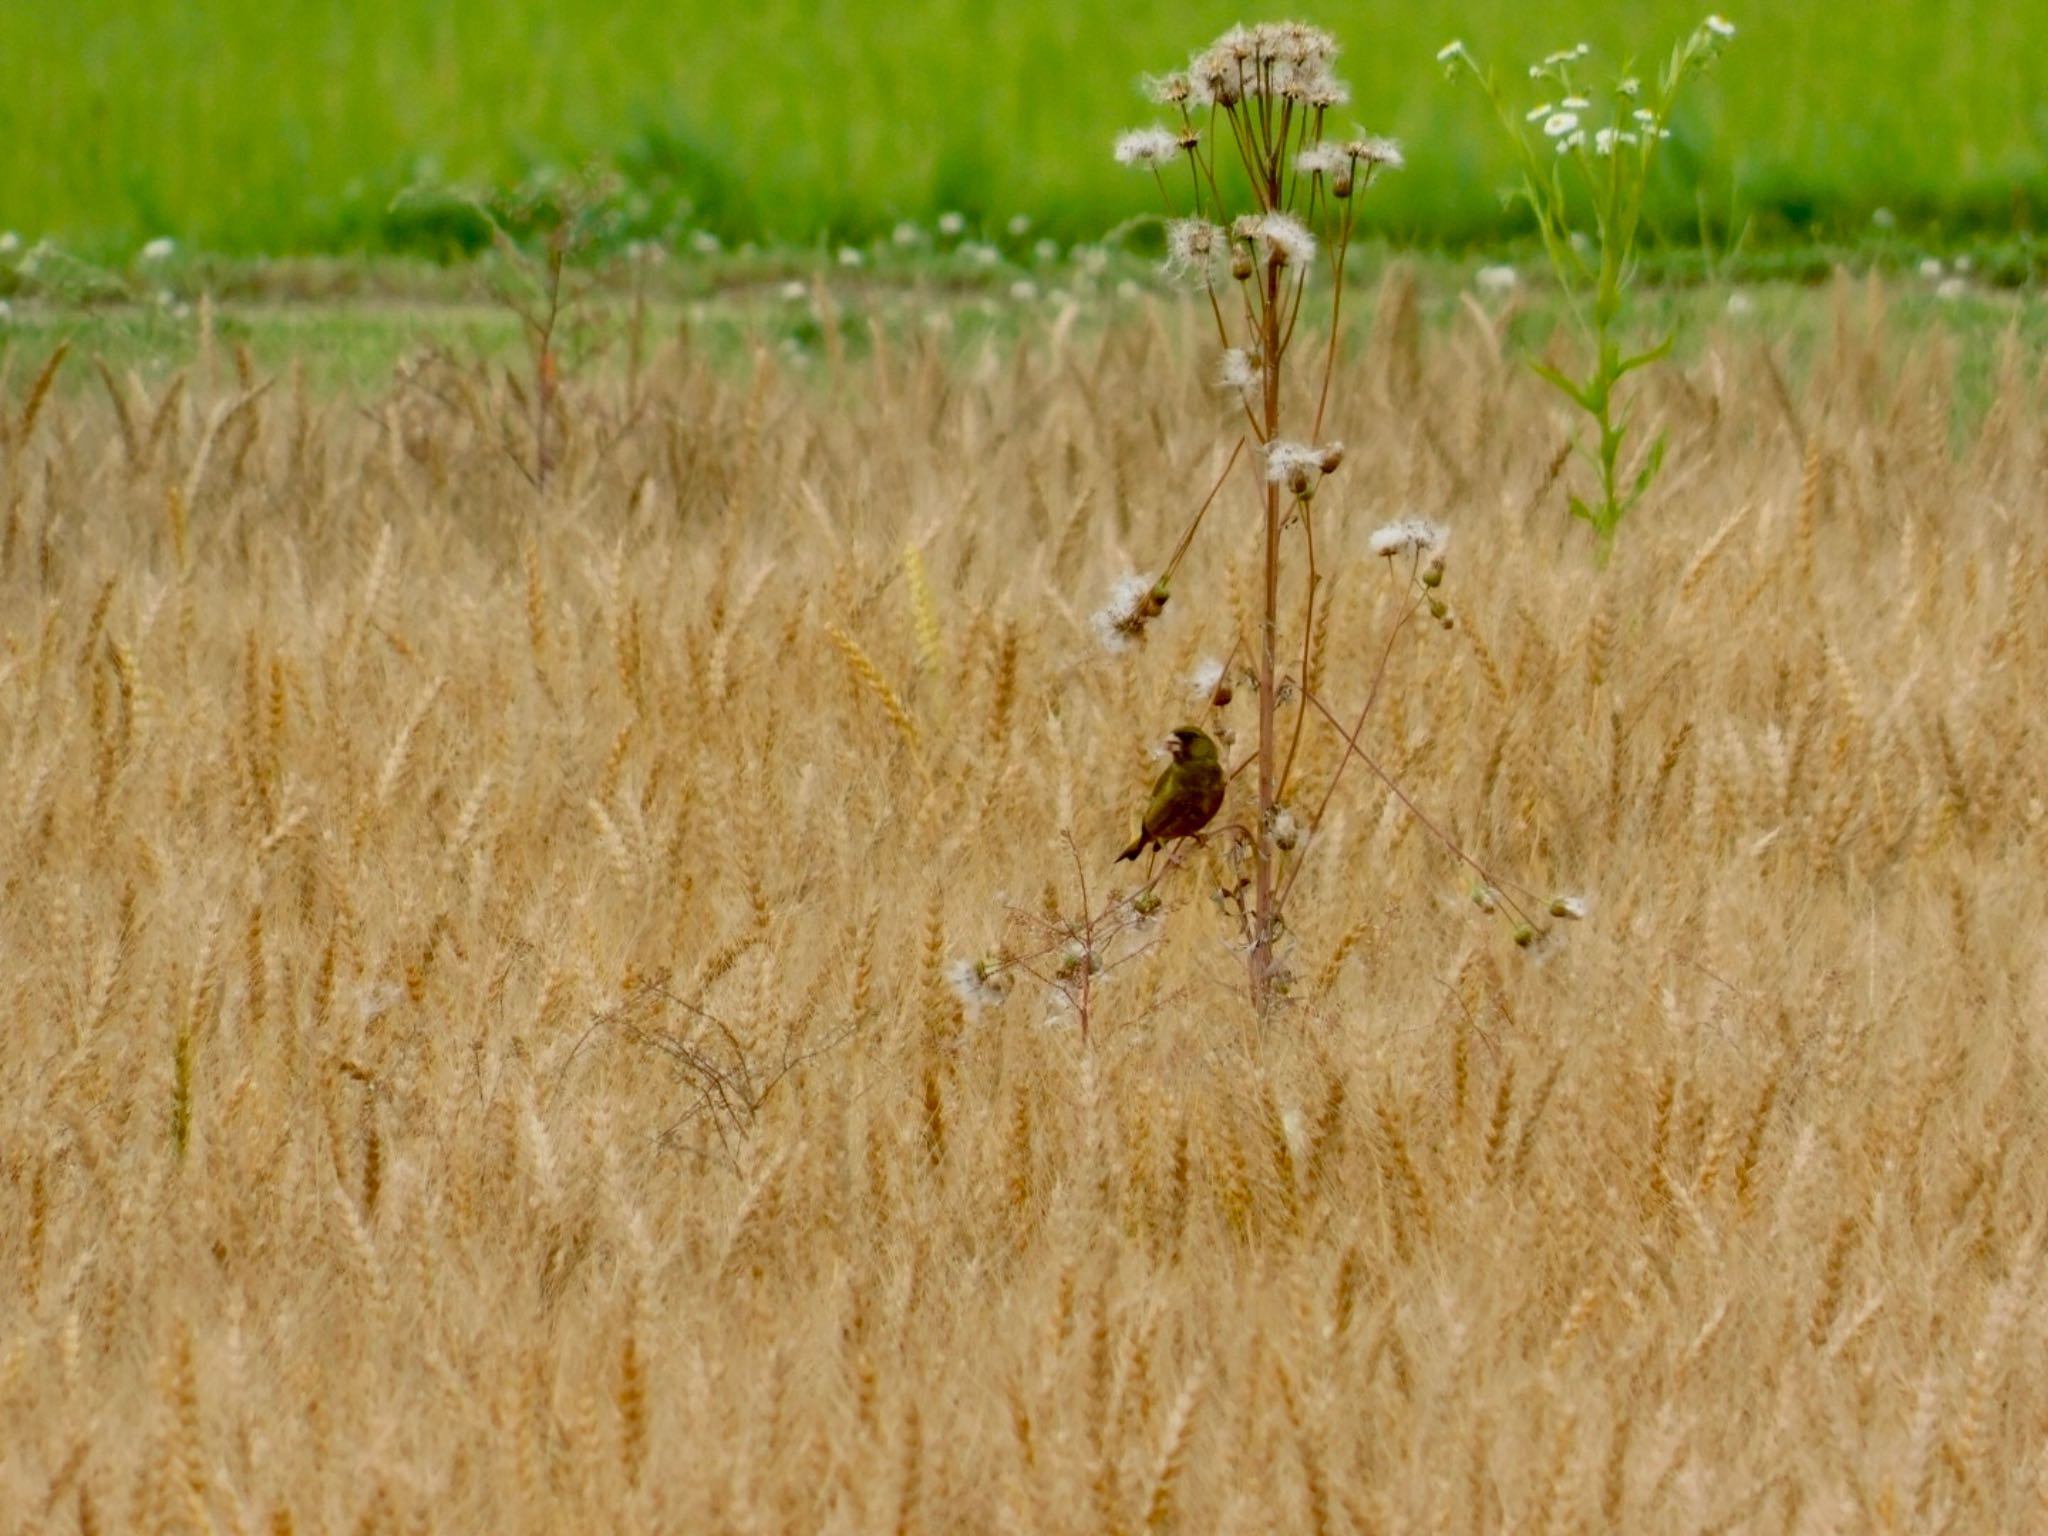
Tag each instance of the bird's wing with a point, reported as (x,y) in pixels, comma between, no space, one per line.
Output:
(1161,804)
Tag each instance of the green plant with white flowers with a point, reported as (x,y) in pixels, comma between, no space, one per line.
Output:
(1586,155)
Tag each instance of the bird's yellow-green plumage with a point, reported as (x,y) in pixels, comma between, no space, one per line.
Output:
(1187,796)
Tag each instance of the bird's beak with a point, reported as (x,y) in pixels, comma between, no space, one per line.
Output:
(1174,748)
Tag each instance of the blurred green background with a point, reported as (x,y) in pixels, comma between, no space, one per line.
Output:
(291,126)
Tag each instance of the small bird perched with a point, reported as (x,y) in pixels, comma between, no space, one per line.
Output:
(1187,795)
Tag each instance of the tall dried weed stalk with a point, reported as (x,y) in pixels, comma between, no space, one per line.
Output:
(1271,195)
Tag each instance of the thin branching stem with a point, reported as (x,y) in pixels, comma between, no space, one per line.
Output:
(1494,885)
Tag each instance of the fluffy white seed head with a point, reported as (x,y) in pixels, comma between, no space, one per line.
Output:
(1372,150)
(1300,467)
(1146,148)
(1280,59)
(978,984)
(1193,246)
(1119,623)
(1171,90)
(1282,239)
(1325,159)
(1241,371)
(1411,536)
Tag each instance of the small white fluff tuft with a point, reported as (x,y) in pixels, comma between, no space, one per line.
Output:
(1410,536)
(1146,148)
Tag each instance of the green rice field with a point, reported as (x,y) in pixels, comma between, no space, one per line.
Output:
(294,126)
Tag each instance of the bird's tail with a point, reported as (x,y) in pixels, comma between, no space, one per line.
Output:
(1137,847)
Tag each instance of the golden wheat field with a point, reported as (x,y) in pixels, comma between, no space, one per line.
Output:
(479,1052)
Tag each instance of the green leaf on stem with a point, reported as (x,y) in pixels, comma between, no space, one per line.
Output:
(1656,354)
(1565,386)
(1652,466)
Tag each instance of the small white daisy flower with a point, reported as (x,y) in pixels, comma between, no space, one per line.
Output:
(906,235)
(10,242)
(849,257)
(1949,289)
(1720,26)
(1019,225)
(1576,104)
(1741,304)
(1454,49)
(1931,269)
(1497,280)
(1537,114)
(952,225)
(1631,87)
(1558,124)
(162,248)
